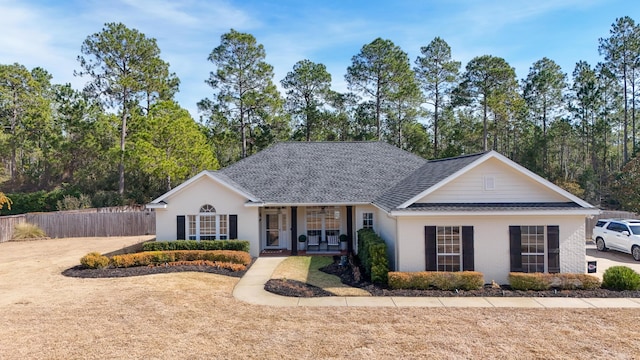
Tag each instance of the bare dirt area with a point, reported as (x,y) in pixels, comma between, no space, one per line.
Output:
(45,315)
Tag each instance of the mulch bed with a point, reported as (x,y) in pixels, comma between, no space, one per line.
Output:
(80,272)
(296,289)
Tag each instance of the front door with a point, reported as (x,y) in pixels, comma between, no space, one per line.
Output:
(276,234)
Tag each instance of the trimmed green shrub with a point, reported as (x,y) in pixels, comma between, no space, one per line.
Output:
(542,281)
(221,265)
(372,252)
(425,280)
(525,281)
(620,278)
(94,260)
(236,245)
(148,258)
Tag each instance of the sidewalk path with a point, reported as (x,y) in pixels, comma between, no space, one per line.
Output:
(250,289)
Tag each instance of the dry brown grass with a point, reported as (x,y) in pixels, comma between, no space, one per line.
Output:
(193,315)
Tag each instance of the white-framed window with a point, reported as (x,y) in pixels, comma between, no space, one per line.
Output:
(207,225)
(367,220)
(449,248)
(323,221)
(532,248)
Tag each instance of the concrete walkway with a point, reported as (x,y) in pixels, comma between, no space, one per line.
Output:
(250,289)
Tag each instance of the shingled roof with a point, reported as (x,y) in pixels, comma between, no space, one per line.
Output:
(322,172)
(356,172)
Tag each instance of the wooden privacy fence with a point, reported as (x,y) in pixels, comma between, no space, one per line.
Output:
(7,223)
(85,223)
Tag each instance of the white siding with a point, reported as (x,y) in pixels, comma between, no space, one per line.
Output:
(361,209)
(509,186)
(491,242)
(386,228)
(207,191)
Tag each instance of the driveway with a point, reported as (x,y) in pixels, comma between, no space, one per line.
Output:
(607,259)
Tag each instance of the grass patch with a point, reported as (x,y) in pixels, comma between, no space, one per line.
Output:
(25,231)
(307,270)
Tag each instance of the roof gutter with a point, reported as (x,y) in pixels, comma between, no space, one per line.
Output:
(585,212)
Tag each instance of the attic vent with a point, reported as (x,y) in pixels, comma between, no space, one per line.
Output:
(489,183)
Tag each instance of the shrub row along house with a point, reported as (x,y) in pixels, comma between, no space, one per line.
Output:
(479,212)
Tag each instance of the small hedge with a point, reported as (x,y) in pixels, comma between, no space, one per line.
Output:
(94,260)
(620,278)
(542,281)
(221,265)
(237,245)
(425,280)
(372,252)
(148,258)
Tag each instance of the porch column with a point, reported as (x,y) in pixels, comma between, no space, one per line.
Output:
(294,230)
(349,229)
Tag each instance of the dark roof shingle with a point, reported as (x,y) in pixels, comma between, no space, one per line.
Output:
(322,172)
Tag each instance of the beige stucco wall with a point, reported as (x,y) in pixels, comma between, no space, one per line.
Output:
(491,241)
(208,191)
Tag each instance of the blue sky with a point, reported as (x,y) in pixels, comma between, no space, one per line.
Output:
(49,33)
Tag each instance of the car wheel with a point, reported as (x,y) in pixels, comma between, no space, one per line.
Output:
(600,244)
(635,252)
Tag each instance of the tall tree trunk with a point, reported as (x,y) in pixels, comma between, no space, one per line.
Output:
(14,123)
(625,150)
(435,122)
(485,133)
(633,112)
(243,134)
(123,135)
(378,105)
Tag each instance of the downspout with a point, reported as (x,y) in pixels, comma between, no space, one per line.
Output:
(397,241)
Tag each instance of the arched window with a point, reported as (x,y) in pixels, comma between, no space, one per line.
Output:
(206,208)
(208,225)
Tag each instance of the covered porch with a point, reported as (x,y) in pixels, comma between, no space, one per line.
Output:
(310,229)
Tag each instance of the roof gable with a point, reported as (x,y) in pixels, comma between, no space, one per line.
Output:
(422,180)
(205,174)
(531,187)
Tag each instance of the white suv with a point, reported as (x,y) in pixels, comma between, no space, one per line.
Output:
(621,235)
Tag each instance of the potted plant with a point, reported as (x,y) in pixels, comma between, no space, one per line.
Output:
(302,240)
(343,242)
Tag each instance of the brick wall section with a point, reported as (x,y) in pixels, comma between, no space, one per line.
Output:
(572,251)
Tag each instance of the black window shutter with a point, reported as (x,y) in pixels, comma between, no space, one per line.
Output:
(553,247)
(233,227)
(430,248)
(467,248)
(180,226)
(515,246)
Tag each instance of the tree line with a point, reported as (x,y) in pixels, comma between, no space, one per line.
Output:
(123,138)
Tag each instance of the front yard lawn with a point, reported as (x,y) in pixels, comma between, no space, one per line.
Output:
(306,269)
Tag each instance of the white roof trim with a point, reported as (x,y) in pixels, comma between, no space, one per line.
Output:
(555,212)
(204,173)
(160,205)
(259,204)
(494,154)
